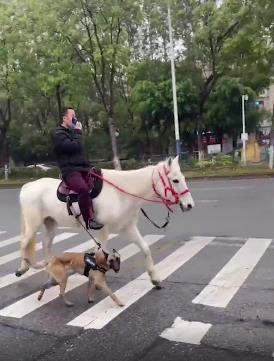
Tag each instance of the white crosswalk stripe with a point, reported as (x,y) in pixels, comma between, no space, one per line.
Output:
(12,240)
(102,313)
(9,241)
(16,254)
(10,279)
(228,281)
(217,293)
(186,331)
(28,304)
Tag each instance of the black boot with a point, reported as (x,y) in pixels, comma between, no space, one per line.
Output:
(92,224)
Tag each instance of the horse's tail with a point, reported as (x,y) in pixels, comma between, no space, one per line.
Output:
(36,265)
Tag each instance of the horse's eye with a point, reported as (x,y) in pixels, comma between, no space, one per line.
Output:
(175,181)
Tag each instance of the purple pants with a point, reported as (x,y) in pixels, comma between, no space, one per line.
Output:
(77,181)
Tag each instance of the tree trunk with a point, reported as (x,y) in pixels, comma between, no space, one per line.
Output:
(111,127)
(59,101)
(4,146)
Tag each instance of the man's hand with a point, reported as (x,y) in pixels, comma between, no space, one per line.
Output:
(78,126)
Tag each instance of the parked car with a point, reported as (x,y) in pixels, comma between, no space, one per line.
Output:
(40,166)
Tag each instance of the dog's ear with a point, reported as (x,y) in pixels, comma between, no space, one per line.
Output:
(116,252)
(105,254)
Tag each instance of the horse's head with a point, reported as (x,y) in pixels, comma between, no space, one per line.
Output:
(170,184)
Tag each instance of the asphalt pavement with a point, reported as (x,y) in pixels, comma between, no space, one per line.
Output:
(216,303)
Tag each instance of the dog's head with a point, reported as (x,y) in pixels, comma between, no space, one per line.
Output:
(111,260)
(114,260)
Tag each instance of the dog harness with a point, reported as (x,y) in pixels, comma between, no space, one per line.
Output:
(90,264)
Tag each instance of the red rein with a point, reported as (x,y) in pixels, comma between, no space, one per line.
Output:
(167,187)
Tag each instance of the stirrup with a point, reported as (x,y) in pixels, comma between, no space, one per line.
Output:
(93,224)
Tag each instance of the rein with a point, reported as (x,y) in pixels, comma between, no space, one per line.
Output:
(169,188)
(167,202)
(122,190)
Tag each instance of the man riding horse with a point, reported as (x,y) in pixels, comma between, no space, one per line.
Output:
(73,163)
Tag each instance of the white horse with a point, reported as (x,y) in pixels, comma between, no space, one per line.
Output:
(117,210)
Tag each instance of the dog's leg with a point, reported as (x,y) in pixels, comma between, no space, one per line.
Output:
(100,284)
(50,282)
(63,285)
(91,291)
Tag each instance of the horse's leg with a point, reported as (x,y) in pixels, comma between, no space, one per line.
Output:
(50,225)
(135,236)
(30,225)
(102,236)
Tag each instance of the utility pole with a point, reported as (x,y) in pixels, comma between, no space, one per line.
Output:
(175,106)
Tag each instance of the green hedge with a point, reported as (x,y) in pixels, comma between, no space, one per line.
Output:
(34,173)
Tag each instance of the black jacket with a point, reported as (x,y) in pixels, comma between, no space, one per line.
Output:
(69,150)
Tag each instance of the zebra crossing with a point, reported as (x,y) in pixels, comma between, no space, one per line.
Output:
(172,258)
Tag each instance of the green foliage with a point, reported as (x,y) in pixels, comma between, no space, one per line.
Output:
(109,59)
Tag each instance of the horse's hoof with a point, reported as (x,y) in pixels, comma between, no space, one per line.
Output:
(69,304)
(157,284)
(18,273)
(91,300)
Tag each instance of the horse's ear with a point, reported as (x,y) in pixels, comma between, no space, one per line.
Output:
(169,161)
(176,159)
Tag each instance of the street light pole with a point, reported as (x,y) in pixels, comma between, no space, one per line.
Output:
(244,97)
(175,107)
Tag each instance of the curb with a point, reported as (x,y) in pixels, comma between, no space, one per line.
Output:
(190,178)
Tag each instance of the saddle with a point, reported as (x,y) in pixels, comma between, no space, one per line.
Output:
(68,196)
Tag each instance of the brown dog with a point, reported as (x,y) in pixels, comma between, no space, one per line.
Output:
(92,265)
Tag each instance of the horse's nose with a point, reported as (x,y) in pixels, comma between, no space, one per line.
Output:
(189,206)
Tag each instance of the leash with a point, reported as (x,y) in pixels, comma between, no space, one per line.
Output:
(94,239)
(155,224)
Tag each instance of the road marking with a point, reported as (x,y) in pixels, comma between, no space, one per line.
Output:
(10,279)
(30,303)
(222,288)
(103,312)
(9,241)
(12,240)
(12,256)
(2,232)
(186,331)
(219,188)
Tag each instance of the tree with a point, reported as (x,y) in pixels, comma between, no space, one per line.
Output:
(222,39)
(98,35)
(224,109)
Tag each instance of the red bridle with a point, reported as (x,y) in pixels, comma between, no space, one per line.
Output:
(168,188)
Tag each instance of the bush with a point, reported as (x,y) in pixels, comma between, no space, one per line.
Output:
(225,160)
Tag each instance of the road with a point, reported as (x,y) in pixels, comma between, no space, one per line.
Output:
(216,303)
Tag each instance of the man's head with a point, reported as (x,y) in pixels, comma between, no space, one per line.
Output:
(67,115)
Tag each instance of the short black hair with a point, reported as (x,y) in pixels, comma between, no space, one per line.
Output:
(65,110)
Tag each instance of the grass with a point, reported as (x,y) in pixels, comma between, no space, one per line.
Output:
(230,172)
